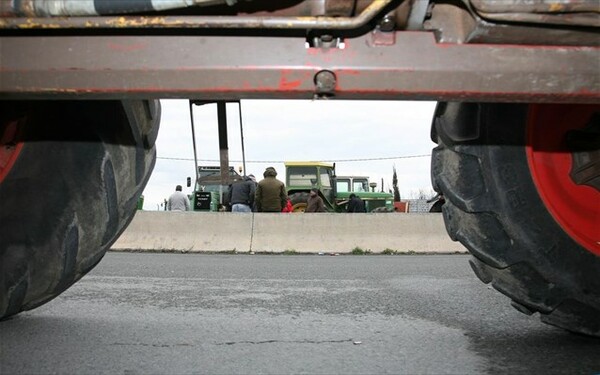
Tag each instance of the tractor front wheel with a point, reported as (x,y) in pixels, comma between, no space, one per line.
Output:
(71,173)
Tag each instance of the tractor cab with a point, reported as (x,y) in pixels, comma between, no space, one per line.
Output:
(352,184)
(301,177)
(209,193)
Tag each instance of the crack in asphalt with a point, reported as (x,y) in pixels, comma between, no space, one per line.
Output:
(286,342)
(240,342)
(153,345)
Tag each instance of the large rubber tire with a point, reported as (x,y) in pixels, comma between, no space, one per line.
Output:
(299,201)
(382,210)
(69,191)
(494,208)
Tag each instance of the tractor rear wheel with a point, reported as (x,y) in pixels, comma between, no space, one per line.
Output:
(299,201)
(382,210)
(522,194)
(71,173)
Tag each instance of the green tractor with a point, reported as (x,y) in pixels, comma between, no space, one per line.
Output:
(301,177)
(209,194)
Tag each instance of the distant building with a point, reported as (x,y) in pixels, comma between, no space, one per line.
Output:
(418,205)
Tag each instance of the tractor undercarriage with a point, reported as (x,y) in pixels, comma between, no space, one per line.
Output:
(503,72)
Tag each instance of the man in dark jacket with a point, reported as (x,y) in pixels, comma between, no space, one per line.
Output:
(355,204)
(241,195)
(315,202)
(270,193)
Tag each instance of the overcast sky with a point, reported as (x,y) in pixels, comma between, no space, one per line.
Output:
(295,130)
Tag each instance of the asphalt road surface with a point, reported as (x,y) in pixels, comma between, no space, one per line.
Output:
(280,314)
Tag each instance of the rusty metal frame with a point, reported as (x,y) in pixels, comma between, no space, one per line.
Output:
(401,65)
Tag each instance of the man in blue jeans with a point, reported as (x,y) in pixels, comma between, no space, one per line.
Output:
(241,195)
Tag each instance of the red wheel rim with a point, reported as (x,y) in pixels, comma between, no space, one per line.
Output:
(576,208)
(10,146)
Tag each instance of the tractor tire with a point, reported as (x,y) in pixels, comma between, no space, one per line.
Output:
(382,210)
(71,173)
(534,238)
(299,201)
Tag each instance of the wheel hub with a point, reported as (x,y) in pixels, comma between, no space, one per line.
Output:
(299,207)
(564,158)
(585,147)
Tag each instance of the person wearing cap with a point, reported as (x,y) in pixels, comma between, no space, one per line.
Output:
(315,202)
(178,201)
(241,195)
(270,193)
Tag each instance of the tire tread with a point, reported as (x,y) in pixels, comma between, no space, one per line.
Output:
(106,150)
(474,215)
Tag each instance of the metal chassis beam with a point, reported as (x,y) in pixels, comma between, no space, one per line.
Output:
(401,65)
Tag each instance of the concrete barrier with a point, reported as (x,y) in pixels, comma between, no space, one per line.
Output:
(301,233)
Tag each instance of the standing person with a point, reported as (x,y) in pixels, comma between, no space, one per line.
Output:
(241,195)
(178,201)
(315,202)
(355,204)
(253,179)
(270,193)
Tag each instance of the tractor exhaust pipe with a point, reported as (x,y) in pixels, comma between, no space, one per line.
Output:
(63,8)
